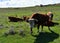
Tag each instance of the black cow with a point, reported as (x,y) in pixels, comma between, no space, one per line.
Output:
(14,19)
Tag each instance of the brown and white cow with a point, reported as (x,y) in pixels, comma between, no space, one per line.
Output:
(38,19)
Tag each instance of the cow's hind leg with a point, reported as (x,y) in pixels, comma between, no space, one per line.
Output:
(38,27)
(48,27)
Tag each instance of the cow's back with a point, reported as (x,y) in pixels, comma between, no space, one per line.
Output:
(40,17)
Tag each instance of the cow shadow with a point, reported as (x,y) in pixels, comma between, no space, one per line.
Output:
(45,37)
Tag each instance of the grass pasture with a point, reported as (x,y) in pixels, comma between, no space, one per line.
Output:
(45,37)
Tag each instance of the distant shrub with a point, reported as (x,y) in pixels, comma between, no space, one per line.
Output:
(1,26)
(12,32)
(16,8)
(41,5)
(6,27)
(6,34)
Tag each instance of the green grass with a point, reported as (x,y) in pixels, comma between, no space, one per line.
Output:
(46,37)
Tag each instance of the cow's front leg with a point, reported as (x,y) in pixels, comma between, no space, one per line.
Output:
(31,30)
(41,28)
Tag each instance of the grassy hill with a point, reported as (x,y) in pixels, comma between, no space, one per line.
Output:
(45,37)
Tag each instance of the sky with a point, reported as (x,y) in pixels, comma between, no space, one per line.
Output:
(25,3)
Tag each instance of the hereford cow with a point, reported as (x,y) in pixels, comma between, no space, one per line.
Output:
(14,19)
(38,19)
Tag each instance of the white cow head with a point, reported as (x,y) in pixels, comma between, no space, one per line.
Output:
(32,22)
